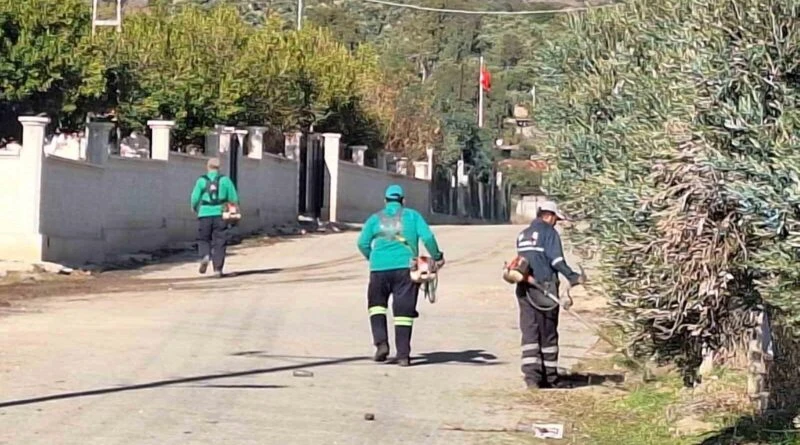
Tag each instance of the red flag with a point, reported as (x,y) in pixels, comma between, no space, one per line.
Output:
(486,79)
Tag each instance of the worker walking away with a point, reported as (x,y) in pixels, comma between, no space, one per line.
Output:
(540,245)
(214,195)
(390,241)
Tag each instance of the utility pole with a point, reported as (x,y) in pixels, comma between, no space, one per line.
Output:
(299,14)
(480,94)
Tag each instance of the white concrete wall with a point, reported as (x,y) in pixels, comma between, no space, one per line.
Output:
(91,212)
(10,171)
(526,208)
(13,234)
(183,171)
(74,211)
(135,210)
(20,237)
(361,192)
(268,191)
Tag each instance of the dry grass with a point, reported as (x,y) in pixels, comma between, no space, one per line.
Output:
(661,411)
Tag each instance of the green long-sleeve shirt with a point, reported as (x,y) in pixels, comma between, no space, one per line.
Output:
(389,253)
(227,194)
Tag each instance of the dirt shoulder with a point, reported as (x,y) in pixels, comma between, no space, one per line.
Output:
(124,275)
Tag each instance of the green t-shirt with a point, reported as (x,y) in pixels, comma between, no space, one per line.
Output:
(390,238)
(226,194)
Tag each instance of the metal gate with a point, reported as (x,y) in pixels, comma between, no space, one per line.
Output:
(234,153)
(311,177)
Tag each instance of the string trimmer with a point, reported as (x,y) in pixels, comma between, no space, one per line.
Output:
(516,271)
(646,374)
(425,272)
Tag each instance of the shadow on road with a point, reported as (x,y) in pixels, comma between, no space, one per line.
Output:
(245,273)
(579,379)
(178,381)
(468,357)
(238,386)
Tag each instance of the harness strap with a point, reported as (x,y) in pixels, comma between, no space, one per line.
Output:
(392,229)
(212,191)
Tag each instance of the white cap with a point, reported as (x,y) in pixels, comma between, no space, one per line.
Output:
(550,206)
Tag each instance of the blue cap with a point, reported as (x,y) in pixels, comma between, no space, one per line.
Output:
(394,192)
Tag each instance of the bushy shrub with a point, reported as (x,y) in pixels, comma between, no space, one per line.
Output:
(675,130)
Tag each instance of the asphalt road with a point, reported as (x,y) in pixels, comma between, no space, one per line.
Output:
(214,361)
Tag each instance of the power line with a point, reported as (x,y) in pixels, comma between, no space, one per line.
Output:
(268,3)
(463,11)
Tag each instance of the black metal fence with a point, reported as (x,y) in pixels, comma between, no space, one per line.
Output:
(478,198)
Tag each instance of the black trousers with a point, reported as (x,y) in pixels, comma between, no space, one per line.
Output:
(398,285)
(539,343)
(212,239)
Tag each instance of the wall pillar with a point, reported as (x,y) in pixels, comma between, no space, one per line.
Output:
(331,147)
(255,136)
(429,155)
(31,157)
(402,166)
(462,191)
(421,170)
(226,139)
(212,142)
(463,178)
(99,141)
(22,240)
(291,145)
(358,153)
(502,204)
(453,195)
(383,163)
(161,139)
(241,135)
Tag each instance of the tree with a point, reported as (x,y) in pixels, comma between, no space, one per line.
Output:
(59,72)
(231,72)
(674,130)
(165,67)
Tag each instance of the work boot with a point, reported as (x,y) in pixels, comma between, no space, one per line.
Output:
(532,384)
(404,362)
(204,264)
(381,352)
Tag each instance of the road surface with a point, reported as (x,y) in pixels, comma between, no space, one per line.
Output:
(205,361)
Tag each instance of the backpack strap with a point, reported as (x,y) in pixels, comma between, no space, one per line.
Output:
(391,227)
(212,191)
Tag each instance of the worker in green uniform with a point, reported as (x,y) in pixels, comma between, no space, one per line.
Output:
(212,193)
(390,241)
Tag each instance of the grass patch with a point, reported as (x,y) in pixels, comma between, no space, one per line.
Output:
(637,417)
(664,412)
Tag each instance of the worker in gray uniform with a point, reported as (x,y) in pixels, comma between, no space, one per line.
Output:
(540,245)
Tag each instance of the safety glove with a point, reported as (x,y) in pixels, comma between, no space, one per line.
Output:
(440,262)
(580,280)
(565,301)
(564,298)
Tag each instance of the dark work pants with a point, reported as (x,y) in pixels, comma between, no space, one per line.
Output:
(539,343)
(398,284)
(212,238)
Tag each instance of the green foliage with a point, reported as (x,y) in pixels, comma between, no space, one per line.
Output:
(199,64)
(168,68)
(47,60)
(433,61)
(675,129)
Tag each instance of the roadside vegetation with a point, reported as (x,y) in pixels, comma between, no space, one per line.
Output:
(672,127)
